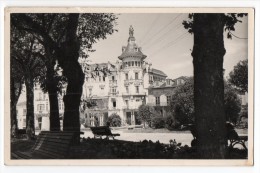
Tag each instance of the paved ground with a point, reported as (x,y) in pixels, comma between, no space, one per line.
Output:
(183,138)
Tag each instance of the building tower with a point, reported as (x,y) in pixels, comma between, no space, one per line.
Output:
(132,79)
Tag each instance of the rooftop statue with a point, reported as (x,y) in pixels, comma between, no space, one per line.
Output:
(131,31)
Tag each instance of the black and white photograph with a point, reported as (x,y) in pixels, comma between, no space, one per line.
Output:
(120,84)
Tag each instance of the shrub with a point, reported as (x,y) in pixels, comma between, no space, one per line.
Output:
(114,120)
(171,123)
(157,122)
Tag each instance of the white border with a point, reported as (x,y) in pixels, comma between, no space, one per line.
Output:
(141,3)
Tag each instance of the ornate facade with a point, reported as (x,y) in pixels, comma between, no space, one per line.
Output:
(124,89)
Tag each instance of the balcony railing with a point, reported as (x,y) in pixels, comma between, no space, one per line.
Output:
(134,94)
(130,107)
(113,93)
(113,81)
(133,81)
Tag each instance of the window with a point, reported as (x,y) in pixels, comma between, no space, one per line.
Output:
(24,112)
(104,78)
(40,96)
(136,75)
(129,64)
(168,100)
(99,78)
(90,91)
(127,103)
(157,101)
(113,77)
(24,122)
(137,89)
(133,63)
(113,90)
(114,104)
(139,63)
(126,76)
(168,82)
(127,89)
(40,107)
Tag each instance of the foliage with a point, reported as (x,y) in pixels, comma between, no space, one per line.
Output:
(157,122)
(145,113)
(171,123)
(229,19)
(182,102)
(239,76)
(232,104)
(114,120)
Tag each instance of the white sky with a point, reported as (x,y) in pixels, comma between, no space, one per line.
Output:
(165,42)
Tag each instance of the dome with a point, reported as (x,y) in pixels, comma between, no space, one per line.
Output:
(132,49)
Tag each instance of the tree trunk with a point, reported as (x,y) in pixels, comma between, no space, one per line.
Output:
(208,53)
(30,128)
(53,100)
(68,59)
(16,88)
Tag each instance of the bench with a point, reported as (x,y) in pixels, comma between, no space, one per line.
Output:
(232,137)
(49,145)
(100,131)
(239,139)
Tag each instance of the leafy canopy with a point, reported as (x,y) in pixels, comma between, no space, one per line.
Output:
(182,103)
(239,76)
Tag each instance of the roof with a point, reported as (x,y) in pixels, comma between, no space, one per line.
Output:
(131,50)
(159,72)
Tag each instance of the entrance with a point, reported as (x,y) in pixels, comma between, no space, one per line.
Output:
(137,121)
(128,118)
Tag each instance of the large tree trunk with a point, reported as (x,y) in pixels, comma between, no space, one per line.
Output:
(53,100)
(16,88)
(30,128)
(208,53)
(68,59)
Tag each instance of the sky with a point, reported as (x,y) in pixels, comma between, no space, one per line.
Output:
(166,43)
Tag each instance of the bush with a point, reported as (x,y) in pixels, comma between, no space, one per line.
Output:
(171,123)
(114,120)
(157,122)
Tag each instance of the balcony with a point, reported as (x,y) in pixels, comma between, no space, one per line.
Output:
(134,94)
(113,82)
(129,107)
(133,81)
(113,93)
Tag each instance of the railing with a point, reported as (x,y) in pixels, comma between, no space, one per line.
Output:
(133,81)
(113,93)
(130,107)
(134,94)
(113,81)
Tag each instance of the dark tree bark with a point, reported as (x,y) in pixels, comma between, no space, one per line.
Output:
(68,60)
(51,87)
(208,53)
(30,128)
(16,88)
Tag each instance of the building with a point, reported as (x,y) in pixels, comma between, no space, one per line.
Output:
(41,109)
(116,88)
(160,94)
(123,89)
